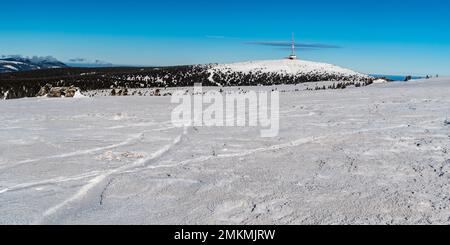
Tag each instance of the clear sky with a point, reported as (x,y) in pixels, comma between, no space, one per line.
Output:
(374,36)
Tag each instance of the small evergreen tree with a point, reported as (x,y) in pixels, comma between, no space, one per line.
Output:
(407,78)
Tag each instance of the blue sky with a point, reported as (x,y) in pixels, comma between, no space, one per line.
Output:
(384,37)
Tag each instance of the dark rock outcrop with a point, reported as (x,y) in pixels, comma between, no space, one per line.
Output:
(57,92)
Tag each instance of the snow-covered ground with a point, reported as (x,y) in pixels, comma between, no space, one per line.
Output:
(370,155)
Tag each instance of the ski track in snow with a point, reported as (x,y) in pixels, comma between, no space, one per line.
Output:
(375,155)
(76,177)
(50,182)
(290,144)
(129,141)
(160,152)
(101,178)
(88,151)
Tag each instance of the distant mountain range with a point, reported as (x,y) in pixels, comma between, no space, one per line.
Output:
(19,63)
(15,64)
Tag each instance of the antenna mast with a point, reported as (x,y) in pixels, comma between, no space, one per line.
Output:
(293,44)
(293,56)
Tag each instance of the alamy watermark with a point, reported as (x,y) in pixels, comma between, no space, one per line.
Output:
(228,109)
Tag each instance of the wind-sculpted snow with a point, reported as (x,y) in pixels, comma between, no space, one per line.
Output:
(368,155)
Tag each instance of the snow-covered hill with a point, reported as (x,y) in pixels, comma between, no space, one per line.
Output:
(14,64)
(252,73)
(281,71)
(285,66)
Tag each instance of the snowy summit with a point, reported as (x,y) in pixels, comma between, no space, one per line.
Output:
(288,69)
